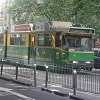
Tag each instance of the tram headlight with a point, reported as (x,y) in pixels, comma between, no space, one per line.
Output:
(75,62)
(87,62)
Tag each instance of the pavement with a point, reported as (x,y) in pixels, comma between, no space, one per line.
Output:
(52,88)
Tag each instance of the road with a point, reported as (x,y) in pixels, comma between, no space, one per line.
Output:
(13,91)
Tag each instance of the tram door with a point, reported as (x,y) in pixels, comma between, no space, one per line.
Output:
(32,48)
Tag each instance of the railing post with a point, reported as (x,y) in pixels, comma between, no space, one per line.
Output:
(74,81)
(16,70)
(46,78)
(1,67)
(34,75)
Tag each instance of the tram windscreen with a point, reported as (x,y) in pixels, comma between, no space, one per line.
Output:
(77,42)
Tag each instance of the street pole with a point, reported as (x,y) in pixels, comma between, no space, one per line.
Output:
(46,78)
(34,75)
(74,81)
(6,34)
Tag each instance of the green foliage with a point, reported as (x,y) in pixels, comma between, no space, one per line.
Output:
(87,12)
(29,11)
(57,10)
(77,11)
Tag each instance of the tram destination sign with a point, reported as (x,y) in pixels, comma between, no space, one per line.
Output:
(81,30)
(21,28)
(41,27)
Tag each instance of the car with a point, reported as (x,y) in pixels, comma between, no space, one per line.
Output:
(97,58)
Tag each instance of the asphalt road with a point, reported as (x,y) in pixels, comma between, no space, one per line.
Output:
(13,91)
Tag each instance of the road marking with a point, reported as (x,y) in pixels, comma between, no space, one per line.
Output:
(11,84)
(15,93)
(55,85)
(54,90)
(81,92)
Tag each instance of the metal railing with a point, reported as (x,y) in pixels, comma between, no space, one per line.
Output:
(16,69)
(83,80)
(76,79)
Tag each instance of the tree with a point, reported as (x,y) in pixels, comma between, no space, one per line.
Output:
(87,13)
(30,10)
(76,11)
(23,10)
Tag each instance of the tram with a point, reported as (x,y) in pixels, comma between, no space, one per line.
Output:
(46,43)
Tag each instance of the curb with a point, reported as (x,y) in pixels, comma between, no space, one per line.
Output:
(3,78)
(55,92)
(61,94)
(16,81)
(76,97)
(22,83)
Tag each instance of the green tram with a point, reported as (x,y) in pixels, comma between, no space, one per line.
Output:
(46,43)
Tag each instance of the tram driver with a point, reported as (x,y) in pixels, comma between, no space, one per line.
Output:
(65,45)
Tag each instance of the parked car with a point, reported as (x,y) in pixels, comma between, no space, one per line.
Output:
(97,58)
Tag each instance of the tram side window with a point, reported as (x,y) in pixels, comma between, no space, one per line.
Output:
(17,39)
(44,40)
(1,39)
(58,39)
(40,39)
(12,39)
(48,40)
(22,39)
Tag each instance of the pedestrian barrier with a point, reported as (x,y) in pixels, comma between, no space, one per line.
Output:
(76,79)
(16,69)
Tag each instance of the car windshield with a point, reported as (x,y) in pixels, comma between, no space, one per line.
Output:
(95,53)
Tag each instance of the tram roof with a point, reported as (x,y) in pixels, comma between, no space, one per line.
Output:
(21,28)
(59,26)
(53,26)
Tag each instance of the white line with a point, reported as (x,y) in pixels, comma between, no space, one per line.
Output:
(15,93)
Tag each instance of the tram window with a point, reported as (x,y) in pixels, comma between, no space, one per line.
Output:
(48,40)
(12,39)
(1,39)
(40,39)
(17,39)
(22,39)
(58,39)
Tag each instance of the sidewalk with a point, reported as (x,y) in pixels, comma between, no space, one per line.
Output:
(56,89)
(79,94)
